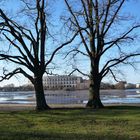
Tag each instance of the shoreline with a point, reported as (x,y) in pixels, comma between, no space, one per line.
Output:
(16,107)
(21,107)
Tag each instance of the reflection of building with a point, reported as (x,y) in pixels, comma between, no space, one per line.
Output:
(138,85)
(61,81)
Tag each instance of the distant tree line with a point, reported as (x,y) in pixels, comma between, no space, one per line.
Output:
(28,87)
(12,87)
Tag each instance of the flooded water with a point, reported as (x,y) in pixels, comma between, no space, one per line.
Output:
(72,97)
(16,97)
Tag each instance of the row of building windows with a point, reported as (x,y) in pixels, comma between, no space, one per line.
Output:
(65,82)
(61,81)
(74,79)
(63,86)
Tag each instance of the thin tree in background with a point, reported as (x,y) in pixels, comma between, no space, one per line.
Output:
(30,48)
(100,20)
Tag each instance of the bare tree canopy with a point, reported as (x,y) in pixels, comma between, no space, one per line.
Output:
(29,46)
(104,34)
(107,39)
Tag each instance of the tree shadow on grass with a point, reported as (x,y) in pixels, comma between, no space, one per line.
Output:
(59,136)
(124,107)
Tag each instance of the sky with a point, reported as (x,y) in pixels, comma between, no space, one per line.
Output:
(130,75)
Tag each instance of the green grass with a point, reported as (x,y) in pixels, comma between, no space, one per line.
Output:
(112,123)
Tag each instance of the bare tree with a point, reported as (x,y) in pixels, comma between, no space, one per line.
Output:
(29,45)
(104,40)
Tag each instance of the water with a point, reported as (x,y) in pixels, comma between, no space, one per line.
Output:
(72,97)
(17,97)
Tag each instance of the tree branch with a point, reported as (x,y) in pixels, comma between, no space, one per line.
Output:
(61,46)
(79,72)
(79,28)
(116,62)
(77,51)
(13,73)
(113,75)
(120,38)
(114,16)
(16,34)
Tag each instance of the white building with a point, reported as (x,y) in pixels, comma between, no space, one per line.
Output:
(138,85)
(129,85)
(61,82)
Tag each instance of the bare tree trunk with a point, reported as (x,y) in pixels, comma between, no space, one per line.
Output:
(40,96)
(94,96)
(94,89)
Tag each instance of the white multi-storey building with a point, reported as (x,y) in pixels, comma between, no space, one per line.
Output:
(61,81)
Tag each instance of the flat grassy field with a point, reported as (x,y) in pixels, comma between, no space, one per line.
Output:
(111,123)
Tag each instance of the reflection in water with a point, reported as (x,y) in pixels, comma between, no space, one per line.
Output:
(122,101)
(72,97)
(137,91)
(16,98)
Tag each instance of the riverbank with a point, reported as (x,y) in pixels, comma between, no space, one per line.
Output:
(111,123)
(16,107)
(21,107)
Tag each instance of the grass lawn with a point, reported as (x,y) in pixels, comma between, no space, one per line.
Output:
(111,123)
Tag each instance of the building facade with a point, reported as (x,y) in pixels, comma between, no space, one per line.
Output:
(61,82)
(138,85)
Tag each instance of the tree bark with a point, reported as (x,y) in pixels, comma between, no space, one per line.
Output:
(94,96)
(94,89)
(40,96)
